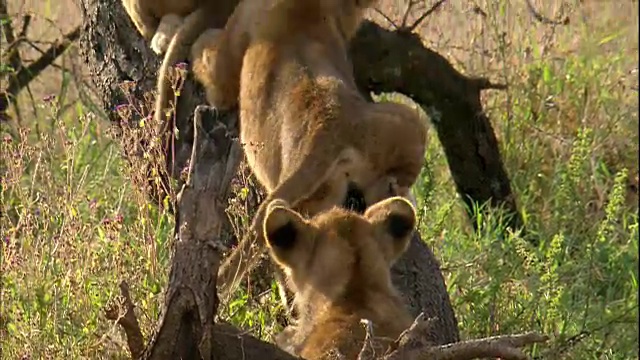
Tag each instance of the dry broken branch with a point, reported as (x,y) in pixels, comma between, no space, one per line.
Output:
(506,347)
(482,83)
(128,321)
(403,23)
(368,351)
(412,345)
(421,18)
(191,296)
(407,11)
(453,103)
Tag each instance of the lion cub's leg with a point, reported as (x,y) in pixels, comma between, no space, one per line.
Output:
(313,171)
(169,25)
(217,65)
(142,17)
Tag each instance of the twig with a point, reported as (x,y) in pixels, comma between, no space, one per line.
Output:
(415,333)
(426,14)
(541,18)
(197,122)
(26,21)
(14,42)
(24,75)
(411,346)
(367,352)
(128,321)
(573,340)
(388,19)
(33,45)
(405,16)
(505,347)
(482,83)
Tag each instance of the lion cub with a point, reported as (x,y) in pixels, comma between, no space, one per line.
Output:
(338,266)
(308,133)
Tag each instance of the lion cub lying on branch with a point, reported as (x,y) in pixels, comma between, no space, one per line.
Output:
(338,266)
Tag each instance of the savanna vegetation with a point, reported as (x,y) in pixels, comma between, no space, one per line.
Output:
(74,224)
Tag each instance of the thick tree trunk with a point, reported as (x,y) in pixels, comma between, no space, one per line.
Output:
(383,61)
(395,61)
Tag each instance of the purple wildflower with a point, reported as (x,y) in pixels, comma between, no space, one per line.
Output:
(93,203)
(119,218)
(121,107)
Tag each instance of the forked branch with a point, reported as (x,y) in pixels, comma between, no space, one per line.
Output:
(22,75)
(412,346)
(128,321)
(403,23)
(421,18)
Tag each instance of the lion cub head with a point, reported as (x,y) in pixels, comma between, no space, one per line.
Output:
(338,266)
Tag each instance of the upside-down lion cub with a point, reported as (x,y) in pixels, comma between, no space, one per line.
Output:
(308,133)
(338,266)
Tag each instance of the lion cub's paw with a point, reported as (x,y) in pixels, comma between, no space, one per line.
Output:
(207,40)
(168,27)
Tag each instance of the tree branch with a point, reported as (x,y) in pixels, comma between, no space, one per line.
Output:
(192,301)
(411,345)
(368,351)
(24,75)
(453,103)
(15,62)
(425,15)
(128,321)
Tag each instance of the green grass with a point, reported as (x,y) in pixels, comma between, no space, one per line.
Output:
(74,225)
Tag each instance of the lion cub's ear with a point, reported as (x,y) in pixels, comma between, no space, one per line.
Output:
(287,234)
(394,220)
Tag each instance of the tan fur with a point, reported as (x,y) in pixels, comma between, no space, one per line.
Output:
(306,128)
(169,25)
(173,25)
(338,265)
(179,47)
(147,14)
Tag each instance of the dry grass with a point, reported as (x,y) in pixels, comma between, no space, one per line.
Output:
(73,226)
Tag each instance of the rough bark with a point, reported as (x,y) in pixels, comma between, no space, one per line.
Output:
(191,299)
(418,277)
(397,61)
(114,53)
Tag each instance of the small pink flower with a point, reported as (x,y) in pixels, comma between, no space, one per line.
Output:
(121,107)
(93,203)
